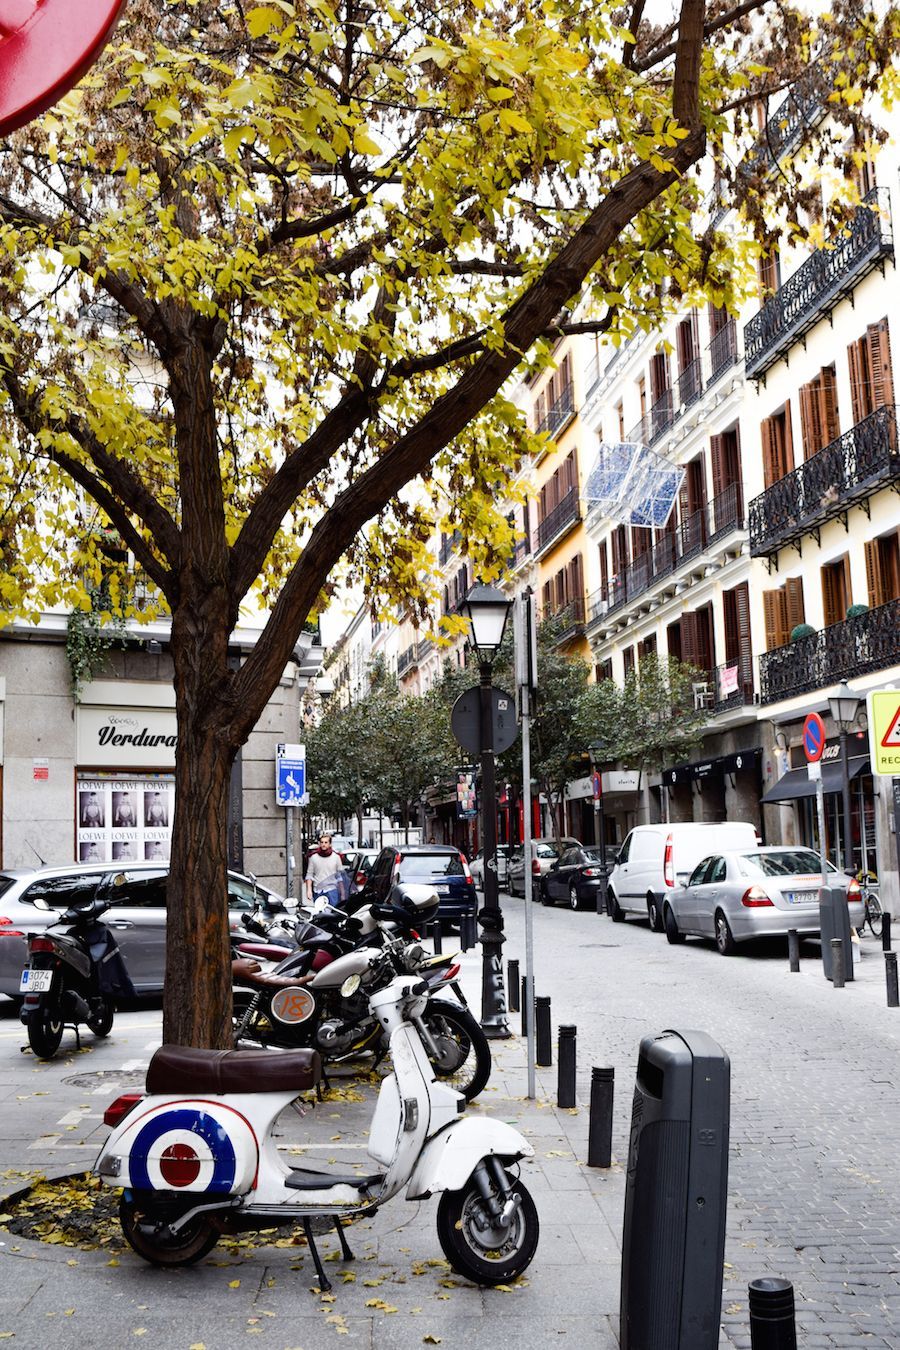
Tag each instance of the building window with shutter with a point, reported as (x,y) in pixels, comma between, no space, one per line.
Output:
(883,569)
(728,499)
(871,371)
(604,572)
(603,671)
(819,423)
(738,648)
(836,590)
(628,660)
(768,271)
(784,610)
(777,445)
(673,640)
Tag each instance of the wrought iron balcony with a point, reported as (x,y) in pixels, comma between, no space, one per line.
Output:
(557,520)
(851,468)
(521,551)
(722,352)
(726,512)
(866,642)
(817,285)
(803,107)
(690,383)
(725,688)
(561,412)
(407,660)
(448,544)
(570,616)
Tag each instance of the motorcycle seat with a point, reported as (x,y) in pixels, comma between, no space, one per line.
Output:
(181,1069)
(264,951)
(302,1180)
(248,972)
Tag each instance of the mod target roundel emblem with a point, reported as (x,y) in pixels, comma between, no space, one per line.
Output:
(184,1148)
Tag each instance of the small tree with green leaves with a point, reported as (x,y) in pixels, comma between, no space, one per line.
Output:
(659,721)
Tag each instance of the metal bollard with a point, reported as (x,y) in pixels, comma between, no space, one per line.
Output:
(772,1325)
(512,984)
(436,937)
(890,975)
(544,1048)
(525,1005)
(565,1080)
(794,950)
(603,1083)
(885,932)
(837,963)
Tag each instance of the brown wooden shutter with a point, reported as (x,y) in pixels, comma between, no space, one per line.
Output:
(788,440)
(795,611)
(829,417)
(673,640)
(830,596)
(856,359)
(775,609)
(718,464)
(874,576)
(745,647)
(604,571)
(808,419)
(879,340)
(767,431)
(577,577)
(690,647)
(547,598)
(729,609)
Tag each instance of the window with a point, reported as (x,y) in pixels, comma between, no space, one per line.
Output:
(620,418)
(697,643)
(863,170)
(784,610)
(673,640)
(738,650)
(604,572)
(619,542)
(628,660)
(647,647)
(777,445)
(698,876)
(717,870)
(725,454)
(819,412)
(883,569)
(871,376)
(603,671)
(836,590)
(61,892)
(768,271)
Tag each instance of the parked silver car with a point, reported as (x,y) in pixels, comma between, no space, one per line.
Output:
(476,866)
(733,897)
(544,853)
(137,916)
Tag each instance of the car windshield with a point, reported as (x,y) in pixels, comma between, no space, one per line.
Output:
(429,865)
(792,862)
(547,851)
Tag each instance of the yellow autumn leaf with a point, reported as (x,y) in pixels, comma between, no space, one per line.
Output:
(234,1284)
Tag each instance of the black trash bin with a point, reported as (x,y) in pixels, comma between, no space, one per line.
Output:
(676,1195)
(834,921)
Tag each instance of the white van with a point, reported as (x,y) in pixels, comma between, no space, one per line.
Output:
(654,858)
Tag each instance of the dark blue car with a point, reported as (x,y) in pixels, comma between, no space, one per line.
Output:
(438,865)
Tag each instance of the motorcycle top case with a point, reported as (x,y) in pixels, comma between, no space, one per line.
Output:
(186,1144)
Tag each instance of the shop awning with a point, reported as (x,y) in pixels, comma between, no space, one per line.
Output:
(797,783)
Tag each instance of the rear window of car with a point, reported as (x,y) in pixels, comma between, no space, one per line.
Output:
(546,851)
(430,865)
(791,863)
(62,892)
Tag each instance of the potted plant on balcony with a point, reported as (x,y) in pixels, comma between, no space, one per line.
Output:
(801,630)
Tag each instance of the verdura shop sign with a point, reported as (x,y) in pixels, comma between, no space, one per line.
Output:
(127,738)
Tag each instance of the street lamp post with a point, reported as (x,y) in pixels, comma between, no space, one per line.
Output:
(844,706)
(486,610)
(598,751)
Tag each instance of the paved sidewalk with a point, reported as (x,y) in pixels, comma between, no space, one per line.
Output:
(814,1171)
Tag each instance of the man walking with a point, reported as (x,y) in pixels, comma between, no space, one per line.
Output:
(324,869)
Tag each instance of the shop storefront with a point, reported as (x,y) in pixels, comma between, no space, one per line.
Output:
(722,787)
(795,790)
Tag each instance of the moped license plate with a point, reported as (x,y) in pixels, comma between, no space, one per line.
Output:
(35,981)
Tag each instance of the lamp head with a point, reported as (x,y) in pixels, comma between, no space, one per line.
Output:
(486,610)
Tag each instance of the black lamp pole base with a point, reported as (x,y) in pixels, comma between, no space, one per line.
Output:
(493,989)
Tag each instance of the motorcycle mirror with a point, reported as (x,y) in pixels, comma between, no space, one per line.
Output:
(350,985)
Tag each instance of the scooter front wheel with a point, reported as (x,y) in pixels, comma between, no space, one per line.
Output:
(45,1029)
(146,1229)
(479,1248)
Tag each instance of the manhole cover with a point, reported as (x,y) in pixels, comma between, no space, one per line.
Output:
(109,1078)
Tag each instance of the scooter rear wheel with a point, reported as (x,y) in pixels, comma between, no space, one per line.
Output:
(100,1021)
(145,1228)
(483,1253)
(45,1029)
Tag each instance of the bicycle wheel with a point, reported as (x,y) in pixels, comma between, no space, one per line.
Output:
(874,914)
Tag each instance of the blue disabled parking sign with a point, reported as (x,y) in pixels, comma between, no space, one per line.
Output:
(290,775)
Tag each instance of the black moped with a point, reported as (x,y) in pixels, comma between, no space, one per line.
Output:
(72,977)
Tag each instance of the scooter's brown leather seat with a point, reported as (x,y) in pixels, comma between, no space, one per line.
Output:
(250,973)
(179,1069)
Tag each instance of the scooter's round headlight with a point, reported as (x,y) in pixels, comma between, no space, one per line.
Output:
(350,985)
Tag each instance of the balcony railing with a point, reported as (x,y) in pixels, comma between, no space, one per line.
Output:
(733,685)
(690,383)
(722,352)
(556,520)
(559,413)
(407,659)
(830,273)
(711,523)
(866,642)
(570,615)
(521,551)
(803,107)
(859,462)
(448,544)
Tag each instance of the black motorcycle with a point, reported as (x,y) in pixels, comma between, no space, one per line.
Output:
(72,977)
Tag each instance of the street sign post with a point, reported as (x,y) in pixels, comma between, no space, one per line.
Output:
(813,747)
(525,640)
(290,791)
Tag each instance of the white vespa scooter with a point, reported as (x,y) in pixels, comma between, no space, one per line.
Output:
(197,1156)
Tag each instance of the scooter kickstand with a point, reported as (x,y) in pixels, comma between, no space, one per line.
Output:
(324,1282)
(345,1247)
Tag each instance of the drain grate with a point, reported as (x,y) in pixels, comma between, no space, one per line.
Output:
(108,1078)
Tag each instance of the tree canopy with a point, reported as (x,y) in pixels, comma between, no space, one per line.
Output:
(267,265)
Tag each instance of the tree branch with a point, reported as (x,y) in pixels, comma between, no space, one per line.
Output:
(658,54)
(688,52)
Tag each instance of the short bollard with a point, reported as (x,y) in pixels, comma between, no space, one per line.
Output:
(603,1083)
(772,1325)
(890,975)
(436,937)
(512,984)
(524,1005)
(794,950)
(885,932)
(837,963)
(544,1047)
(565,1080)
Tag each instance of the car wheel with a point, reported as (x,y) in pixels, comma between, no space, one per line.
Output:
(574,902)
(725,942)
(673,936)
(654,914)
(616,912)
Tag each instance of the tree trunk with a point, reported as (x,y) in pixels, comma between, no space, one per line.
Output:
(197,1008)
